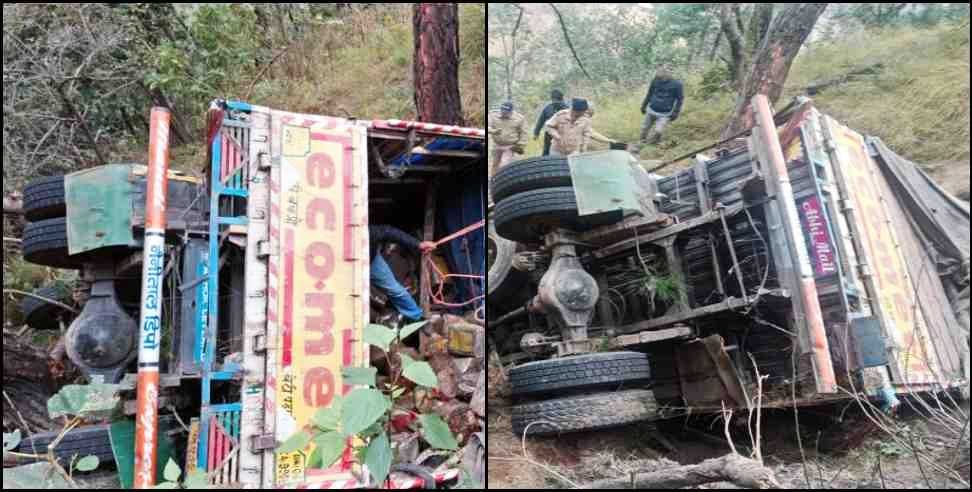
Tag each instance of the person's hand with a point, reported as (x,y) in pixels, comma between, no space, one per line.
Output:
(426,247)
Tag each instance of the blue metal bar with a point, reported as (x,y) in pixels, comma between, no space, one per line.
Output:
(209,334)
(228,221)
(223,375)
(239,106)
(238,192)
(225,408)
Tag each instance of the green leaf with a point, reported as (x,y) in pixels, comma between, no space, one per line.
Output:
(11,440)
(92,400)
(172,471)
(379,336)
(197,479)
(368,404)
(421,373)
(379,457)
(331,446)
(296,442)
(407,330)
(372,430)
(314,460)
(360,375)
(91,462)
(329,419)
(436,432)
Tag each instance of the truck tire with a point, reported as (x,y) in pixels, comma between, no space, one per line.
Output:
(504,283)
(83,441)
(44,198)
(44,315)
(45,243)
(611,370)
(525,217)
(584,413)
(536,173)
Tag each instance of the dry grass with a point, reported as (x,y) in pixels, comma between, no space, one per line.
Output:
(918,103)
(362,67)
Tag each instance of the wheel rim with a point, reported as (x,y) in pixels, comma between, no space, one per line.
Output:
(491,251)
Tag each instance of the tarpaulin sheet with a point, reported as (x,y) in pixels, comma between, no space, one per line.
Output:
(943,219)
(461,203)
(443,143)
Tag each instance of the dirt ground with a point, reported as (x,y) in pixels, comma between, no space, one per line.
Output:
(846,455)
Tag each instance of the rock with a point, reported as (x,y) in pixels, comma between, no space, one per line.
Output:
(474,457)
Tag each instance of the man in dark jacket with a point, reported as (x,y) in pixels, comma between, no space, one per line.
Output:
(662,105)
(382,276)
(557,104)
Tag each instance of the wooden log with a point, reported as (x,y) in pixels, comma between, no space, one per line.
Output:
(731,468)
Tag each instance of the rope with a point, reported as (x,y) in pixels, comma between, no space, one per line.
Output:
(437,294)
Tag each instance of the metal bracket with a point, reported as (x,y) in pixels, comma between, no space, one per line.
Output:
(260,344)
(263,249)
(263,442)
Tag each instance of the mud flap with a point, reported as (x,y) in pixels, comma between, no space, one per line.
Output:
(707,375)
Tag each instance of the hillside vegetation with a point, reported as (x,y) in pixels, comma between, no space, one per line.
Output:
(916,99)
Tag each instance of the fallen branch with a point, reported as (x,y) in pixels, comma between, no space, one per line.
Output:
(818,87)
(263,70)
(731,468)
(42,298)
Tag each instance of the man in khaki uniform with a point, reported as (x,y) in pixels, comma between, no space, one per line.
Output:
(570,129)
(508,131)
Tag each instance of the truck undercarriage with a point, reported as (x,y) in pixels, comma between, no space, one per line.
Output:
(755,264)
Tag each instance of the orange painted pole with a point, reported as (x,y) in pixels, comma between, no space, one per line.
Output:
(826,380)
(150,323)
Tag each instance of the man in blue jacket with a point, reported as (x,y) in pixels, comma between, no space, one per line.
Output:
(382,276)
(662,105)
(556,105)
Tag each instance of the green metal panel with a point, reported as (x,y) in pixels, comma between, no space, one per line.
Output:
(610,180)
(99,208)
(122,434)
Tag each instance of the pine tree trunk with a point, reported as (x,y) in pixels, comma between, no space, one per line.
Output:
(772,62)
(436,63)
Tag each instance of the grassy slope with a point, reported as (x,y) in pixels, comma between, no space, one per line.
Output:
(361,67)
(918,103)
(364,68)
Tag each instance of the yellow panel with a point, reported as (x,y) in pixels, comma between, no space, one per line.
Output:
(319,277)
(895,292)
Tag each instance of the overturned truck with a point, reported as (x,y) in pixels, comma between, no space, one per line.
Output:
(812,258)
(266,291)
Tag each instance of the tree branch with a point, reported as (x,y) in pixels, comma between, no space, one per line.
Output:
(570,45)
(731,468)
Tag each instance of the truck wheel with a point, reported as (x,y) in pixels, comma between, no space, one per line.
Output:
(526,217)
(584,413)
(612,370)
(44,198)
(536,173)
(504,282)
(45,243)
(44,315)
(83,441)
